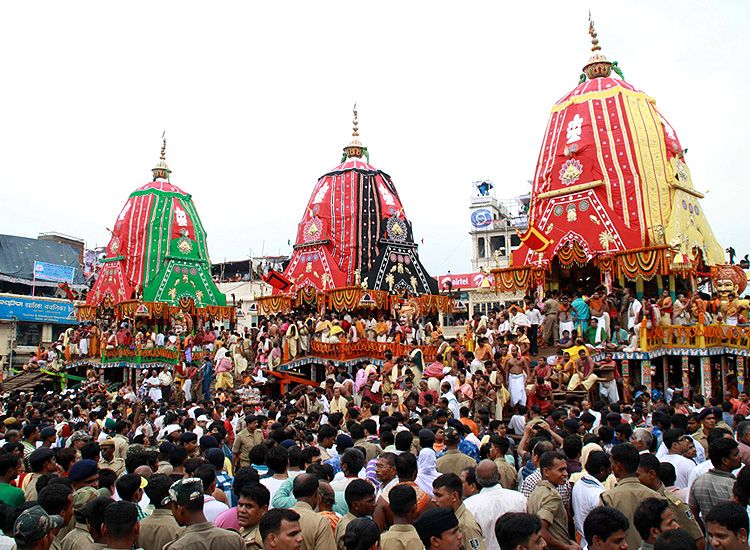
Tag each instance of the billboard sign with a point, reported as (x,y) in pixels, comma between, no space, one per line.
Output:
(466,281)
(54,272)
(36,310)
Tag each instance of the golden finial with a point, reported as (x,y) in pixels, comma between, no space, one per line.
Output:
(355,130)
(598,66)
(594,40)
(355,148)
(161,170)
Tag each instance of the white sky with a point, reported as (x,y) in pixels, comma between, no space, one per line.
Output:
(256,99)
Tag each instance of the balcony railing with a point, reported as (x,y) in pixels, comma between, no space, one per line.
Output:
(364,349)
(696,336)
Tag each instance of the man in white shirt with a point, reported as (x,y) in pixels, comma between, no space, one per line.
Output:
(677,444)
(586,490)
(586,408)
(451,398)
(492,501)
(277,461)
(700,453)
(517,422)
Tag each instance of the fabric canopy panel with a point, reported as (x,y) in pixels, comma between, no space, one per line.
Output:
(111,286)
(158,251)
(605,179)
(353,230)
(313,266)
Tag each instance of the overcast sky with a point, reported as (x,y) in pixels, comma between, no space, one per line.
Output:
(256,99)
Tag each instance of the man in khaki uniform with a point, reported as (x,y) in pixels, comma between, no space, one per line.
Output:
(448,493)
(627,495)
(121,441)
(402,535)
(316,530)
(545,501)
(187,506)
(648,475)
(453,461)
(248,438)
(550,311)
(160,527)
(498,449)
(251,506)
(79,536)
(357,432)
(108,460)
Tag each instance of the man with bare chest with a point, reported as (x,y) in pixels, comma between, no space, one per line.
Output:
(583,372)
(518,371)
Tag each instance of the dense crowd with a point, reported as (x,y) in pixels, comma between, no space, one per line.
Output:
(408,454)
(603,320)
(383,457)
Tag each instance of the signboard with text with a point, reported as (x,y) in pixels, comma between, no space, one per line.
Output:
(465,281)
(37,310)
(54,272)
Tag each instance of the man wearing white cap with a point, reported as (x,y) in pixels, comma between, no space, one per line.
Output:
(201,423)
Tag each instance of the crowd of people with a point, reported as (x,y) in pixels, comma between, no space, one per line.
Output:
(398,456)
(407,454)
(604,320)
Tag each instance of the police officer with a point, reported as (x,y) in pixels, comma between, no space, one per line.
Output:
(627,495)
(648,475)
(447,492)
(186,496)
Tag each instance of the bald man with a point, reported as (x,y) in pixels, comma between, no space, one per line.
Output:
(492,501)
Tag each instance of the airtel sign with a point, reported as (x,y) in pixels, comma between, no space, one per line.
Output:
(465,281)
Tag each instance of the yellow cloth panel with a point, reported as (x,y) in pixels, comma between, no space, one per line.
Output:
(690,230)
(650,154)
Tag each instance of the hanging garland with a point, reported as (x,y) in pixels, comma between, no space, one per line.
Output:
(643,263)
(306,296)
(85,312)
(269,305)
(432,303)
(346,298)
(571,254)
(218,312)
(510,279)
(187,304)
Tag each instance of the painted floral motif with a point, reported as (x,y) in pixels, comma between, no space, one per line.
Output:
(114,245)
(185,245)
(313,230)
(572,214)
(570,171)
(396,229)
